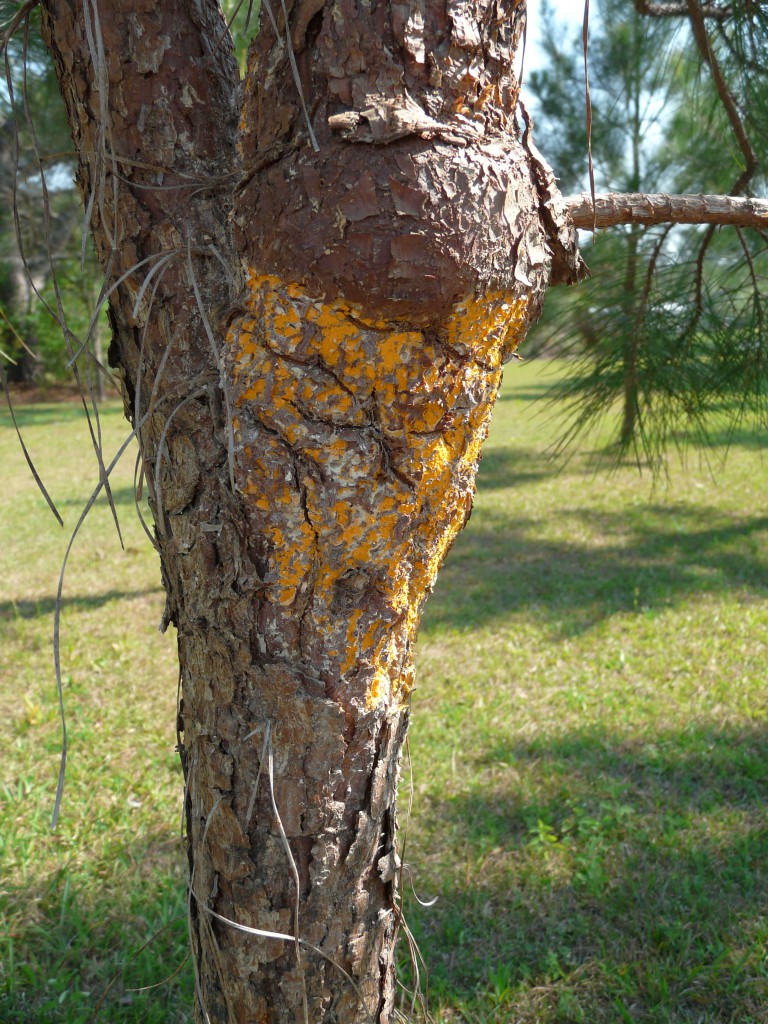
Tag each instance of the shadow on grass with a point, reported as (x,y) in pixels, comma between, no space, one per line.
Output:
(12,610)
(625,881)
(527,392)
(605,881)
(120,496)
(753,439)
(640,559)
(64,939)
(48,413)
(514,467)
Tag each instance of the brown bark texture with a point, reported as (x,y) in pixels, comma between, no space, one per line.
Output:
(322,269)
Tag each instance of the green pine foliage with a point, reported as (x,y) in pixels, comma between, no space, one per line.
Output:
(669,333)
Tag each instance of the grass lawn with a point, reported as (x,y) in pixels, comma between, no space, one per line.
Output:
(589,744)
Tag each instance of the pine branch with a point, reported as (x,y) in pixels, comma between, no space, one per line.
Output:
(680,10)
(696,15)
(613,208)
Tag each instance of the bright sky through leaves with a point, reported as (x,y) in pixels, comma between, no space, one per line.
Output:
(568,13)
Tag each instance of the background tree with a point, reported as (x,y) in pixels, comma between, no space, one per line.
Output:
(43,254)
(670,328)
(27,251)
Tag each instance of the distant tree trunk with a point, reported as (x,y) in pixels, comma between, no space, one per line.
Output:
(29,365)
(631,383)
(98,354)
(312,369)
(634,117)
(91,295)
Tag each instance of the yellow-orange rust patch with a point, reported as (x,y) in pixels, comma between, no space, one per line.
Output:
(358,443)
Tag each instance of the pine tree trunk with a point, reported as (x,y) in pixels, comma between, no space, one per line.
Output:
(631,354)
(311,368)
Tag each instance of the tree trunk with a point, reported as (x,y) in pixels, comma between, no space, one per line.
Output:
(29,366)
(631,353)
(311,368)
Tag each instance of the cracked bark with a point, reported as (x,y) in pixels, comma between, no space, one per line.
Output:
(359,302)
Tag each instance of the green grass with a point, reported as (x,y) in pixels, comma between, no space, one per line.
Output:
(589,744)
(76,905)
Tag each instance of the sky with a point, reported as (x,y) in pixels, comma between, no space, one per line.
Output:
(569,13)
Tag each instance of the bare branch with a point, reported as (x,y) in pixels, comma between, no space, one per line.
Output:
(680,10)
(613,208)
(696,14)
(588,105)
(16,21)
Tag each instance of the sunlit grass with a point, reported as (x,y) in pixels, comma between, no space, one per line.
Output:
(589,744)
(79,903)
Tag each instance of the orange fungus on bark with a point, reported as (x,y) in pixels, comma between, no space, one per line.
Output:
(365,435)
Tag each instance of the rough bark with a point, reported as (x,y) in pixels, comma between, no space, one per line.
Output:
(311,438)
